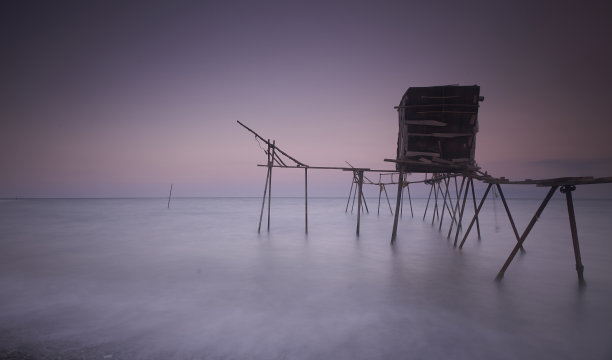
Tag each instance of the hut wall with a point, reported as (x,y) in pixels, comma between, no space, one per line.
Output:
(437,128)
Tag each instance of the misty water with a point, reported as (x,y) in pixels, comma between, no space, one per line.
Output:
(131,279)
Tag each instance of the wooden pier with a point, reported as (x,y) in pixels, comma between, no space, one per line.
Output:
(437,132)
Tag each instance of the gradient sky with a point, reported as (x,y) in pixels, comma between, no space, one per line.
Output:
(122,98)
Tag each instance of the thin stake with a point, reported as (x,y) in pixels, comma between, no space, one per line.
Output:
(349,197)
(270,165)
(476,212)
(465,193)
(359,201)
(456,208)
(169,196)
(428,198)
(306,198)
(263,200)
(387,196)
(446,181)
(397,205)
(503,198)
(567,189)
(409,199)
(474,199)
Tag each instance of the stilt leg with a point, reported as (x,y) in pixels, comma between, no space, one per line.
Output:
(503,198)
(446,181)
(428,198)
(474,199)
(388,202)
(306,199)
(359,201)
(263,200)
(567,190)
(456,208)
(409,200)
(535,218)
(476,212)
(465,193)
(397,204)
(349,197)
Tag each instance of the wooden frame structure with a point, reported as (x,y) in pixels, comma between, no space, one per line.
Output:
(437,129)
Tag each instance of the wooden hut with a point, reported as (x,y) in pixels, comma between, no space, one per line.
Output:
(437,128)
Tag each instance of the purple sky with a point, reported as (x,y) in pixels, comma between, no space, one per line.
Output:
(122,98)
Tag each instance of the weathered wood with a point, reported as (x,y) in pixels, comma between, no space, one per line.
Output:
(306,199)
(474,200)
(397,204)
(360,174)
(567,190)
(169,196)
(425,122)
(465,193)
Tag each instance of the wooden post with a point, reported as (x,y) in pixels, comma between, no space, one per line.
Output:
(409,200)
(380,190)
(567,190)
(400,183)
(465,193)
(474,199)
(387,196)
(503,198)
(263,201)
(535,218)
(270,166)
(306,198)
(349,197)
(446,181)
(459,193)
(428,198)
(359,201)
(476,212)
(169,196)
(436,185)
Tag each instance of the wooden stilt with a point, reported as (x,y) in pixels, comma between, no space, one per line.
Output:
(380,190)
(364,200)
(409,200)
(349,197)
(474,200)
(465,194)
(454,217)
(306,199)
(263,200)
(355,192)
(270,165)
(388,202)
(428,198)
(446,181)
(169,196)
(503,198)
(535,218)
(567,190)
(359,201)
(397,204)
(476,212)
(435,211)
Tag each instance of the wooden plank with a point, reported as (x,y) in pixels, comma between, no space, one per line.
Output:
(425,122)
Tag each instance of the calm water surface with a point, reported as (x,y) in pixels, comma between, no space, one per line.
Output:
(131,279)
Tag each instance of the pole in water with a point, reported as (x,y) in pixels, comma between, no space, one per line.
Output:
(169,196)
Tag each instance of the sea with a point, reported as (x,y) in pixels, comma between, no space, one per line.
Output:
(136,279)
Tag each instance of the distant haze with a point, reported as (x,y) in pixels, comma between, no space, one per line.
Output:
(123,98)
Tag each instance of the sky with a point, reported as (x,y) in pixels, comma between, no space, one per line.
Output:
(124,98)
